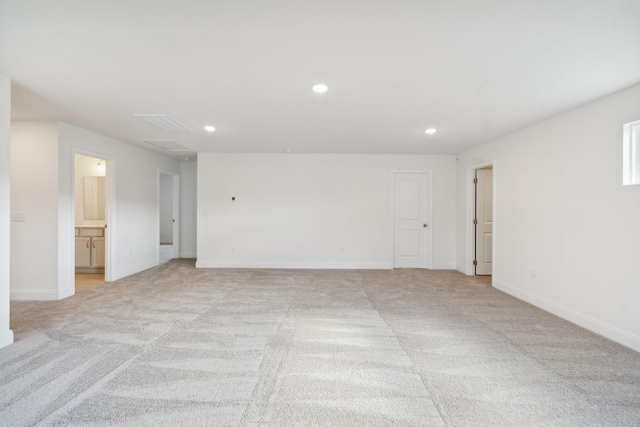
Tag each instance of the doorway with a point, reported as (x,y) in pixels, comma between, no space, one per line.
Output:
(411,219)
(90,221)
(168,215)
(483,221)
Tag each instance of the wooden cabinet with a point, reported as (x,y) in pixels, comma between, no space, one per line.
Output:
(90,250)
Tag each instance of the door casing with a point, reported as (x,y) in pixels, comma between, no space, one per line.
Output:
(110,214)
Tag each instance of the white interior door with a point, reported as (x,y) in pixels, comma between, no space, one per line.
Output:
(169,211)
(410,220)
(484,221)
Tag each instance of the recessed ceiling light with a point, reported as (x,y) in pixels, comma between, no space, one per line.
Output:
(320,88)
(209,128)
(288,150)
(430,131)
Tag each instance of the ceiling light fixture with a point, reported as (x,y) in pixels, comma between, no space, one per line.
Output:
(101,168)
(288,150)
(430,131)
(209,128)
(320,88)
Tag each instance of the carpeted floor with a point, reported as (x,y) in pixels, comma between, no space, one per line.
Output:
(179,346)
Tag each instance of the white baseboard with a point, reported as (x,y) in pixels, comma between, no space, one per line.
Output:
(594,325)
(135,269)
(296,265)
(443,267)
(462,269)
(34,295)
(66,293)
(6,338)
(188,255)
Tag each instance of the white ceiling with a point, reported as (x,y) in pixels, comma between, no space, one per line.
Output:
(473,69)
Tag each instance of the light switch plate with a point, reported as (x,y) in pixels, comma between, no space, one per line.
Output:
(18,217)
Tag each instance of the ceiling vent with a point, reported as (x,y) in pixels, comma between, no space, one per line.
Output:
(164,122)
(167,145)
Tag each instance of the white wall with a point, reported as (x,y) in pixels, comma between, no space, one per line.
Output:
(299,210)
(6,335)
(166,209)
(188,214)
(562,210)
(42,248)
(135,226)
(34,191)
(84,166)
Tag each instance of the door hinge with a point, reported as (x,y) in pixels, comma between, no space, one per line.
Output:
(475,222)
(475,262)
(475,180)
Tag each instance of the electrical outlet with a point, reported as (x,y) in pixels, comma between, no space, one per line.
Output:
(231,248)
(18,217)
(205,214)
(342,249)
(534,273)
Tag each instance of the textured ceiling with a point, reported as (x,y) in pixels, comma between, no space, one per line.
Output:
(475,69)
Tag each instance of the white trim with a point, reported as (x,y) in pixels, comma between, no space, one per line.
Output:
(110,221)
(296,265)
(136,269)
(6,338)
(66,292)
(469,269)
(446,266)
(34,295)
(188,255)
(429,218)
(594,325)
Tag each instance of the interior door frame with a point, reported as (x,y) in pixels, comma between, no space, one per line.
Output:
(110,213)
(470,216)
(428,219)
(176,212)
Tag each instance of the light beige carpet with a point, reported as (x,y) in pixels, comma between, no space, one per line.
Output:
(179,346)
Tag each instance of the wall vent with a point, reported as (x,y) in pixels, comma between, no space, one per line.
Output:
(167,145)
(164,122)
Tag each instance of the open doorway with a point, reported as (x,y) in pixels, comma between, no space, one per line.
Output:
(90,213)
(168,215)
(483,221)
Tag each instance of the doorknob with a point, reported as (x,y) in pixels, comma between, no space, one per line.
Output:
(425,225)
